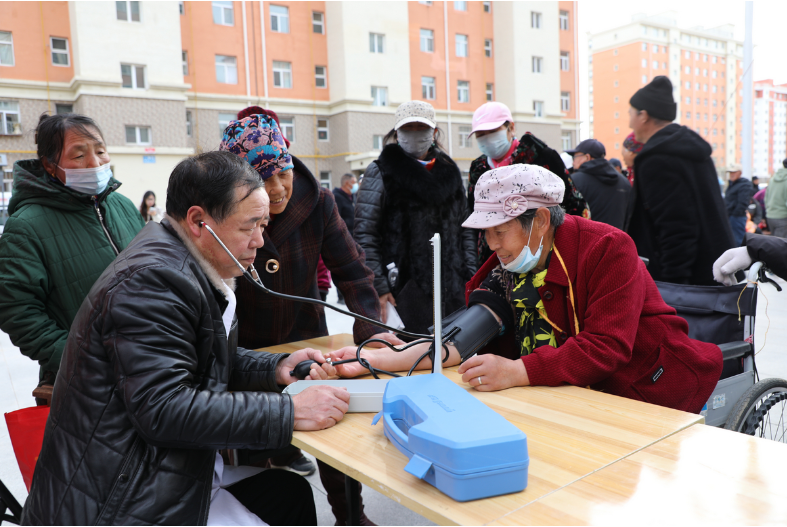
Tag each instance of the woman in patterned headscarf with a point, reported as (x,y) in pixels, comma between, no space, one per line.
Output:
(631,147)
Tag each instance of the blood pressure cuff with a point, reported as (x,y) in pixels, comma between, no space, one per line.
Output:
(477,326)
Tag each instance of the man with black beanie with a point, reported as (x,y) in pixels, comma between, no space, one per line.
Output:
(679,220)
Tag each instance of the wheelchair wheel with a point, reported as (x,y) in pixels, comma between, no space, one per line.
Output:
(762,411)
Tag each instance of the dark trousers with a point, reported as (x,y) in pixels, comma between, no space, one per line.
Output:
(278,497)
(738,225)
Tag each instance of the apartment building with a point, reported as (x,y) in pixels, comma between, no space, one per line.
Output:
(704,65)
(163,79)
(770,127)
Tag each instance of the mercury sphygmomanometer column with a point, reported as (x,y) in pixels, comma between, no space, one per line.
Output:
(437,361)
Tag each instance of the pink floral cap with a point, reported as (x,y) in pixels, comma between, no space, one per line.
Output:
(504,193)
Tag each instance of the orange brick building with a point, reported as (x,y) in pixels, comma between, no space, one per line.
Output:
(704,65)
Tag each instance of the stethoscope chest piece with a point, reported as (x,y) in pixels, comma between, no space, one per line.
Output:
(272,266)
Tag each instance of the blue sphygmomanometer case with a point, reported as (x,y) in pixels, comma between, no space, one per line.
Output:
(454,441)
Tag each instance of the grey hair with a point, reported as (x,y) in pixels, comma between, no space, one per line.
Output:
(347,177)
(556,217)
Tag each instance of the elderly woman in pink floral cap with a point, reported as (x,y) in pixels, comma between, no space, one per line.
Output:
(564,300)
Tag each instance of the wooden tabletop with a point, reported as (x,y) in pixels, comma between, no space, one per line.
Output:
(571,433)
(702,475)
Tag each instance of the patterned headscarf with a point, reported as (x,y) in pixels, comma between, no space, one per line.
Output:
(258,140)
(632,145)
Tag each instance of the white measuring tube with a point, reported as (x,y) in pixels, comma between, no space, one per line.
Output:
(438,318)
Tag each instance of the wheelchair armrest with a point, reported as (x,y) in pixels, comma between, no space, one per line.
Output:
(735,350)
(43,394)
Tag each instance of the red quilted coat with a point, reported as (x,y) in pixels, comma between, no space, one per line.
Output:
(630,343)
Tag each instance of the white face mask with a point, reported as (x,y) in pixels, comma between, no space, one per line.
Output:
(415,142)
(494,145)
(526,260)
(90,181)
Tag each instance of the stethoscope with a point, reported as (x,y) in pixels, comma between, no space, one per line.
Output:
(302,369)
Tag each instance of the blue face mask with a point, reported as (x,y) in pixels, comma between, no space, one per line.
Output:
(354,189)
(494,145)
(90,181)
(526,260)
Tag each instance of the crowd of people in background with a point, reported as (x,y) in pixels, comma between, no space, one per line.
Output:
(79,262)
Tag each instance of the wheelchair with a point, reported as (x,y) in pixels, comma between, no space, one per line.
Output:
(725,316)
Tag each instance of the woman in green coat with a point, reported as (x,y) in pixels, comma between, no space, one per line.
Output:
(66,225)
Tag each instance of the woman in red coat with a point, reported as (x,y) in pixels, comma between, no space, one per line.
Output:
(572,304)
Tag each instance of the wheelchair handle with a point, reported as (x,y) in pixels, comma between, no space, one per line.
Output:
(753,274)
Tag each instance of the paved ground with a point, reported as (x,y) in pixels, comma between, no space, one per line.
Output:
(18,376)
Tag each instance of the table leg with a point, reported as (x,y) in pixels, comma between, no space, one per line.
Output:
(352,492)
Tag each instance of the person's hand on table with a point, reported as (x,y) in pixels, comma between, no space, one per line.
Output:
(384,299)
(319,407)
(489,373)
(351,369)
(318,372)
(388,337)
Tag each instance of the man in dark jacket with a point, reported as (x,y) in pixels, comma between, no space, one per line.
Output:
(607,191)
(679,221)
(737,198)
(344,200)
(152,382)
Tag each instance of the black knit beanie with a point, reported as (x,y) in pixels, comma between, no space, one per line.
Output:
(656,99)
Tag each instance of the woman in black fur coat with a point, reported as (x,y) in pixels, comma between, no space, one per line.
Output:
(412,191)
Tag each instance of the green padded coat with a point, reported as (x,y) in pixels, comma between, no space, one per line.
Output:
(52,250)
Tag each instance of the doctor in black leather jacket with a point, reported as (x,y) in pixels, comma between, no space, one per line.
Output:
(152,383)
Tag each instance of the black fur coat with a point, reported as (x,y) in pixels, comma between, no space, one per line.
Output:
(400,206)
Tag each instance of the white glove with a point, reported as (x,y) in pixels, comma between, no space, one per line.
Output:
(729,263)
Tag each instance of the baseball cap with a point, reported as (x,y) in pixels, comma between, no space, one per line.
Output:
(490,115)
(735,167)
(503,193)
(415,112)
(592,147)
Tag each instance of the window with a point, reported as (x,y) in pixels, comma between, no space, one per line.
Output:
(465,141)
(428,88)
(379,96)
(705,73)
(61,109)
(127,11)
(565,101)
(6,48)
(320,77)
(280,19)
(644,79)
(460,6)
(696,71)
(490,91)
(688,85)
(564,20)
(463,91)
(564,61)
(537,63)
(617,115)
(325,179)
(487,7)
(224,121)
(488,47)
(713,59)
(461,45)
(59,48)
(189,124)
(227,69)
(322,129)
(615,52)
(427,40)
(318,22)
(663,65)
(288,128)
(377,142)
(687,54)
(688,100)
(535,20)
(282,74)
(617,130)
(688,115)
(565,141)
(222,13)
(617,99)
(616,84)
(9,118)
(184,59)
(138,135)
(376,43)
(713,74)
(182,8)
(655,64)
(133,76)
(644,46)
(538,108)
(425,2)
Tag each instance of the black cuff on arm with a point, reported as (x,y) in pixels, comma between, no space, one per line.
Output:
(496,303)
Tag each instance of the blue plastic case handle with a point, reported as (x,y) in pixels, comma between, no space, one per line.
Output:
(418,466)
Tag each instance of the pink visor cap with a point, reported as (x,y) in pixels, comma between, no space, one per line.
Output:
(504,193)
(490,115)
